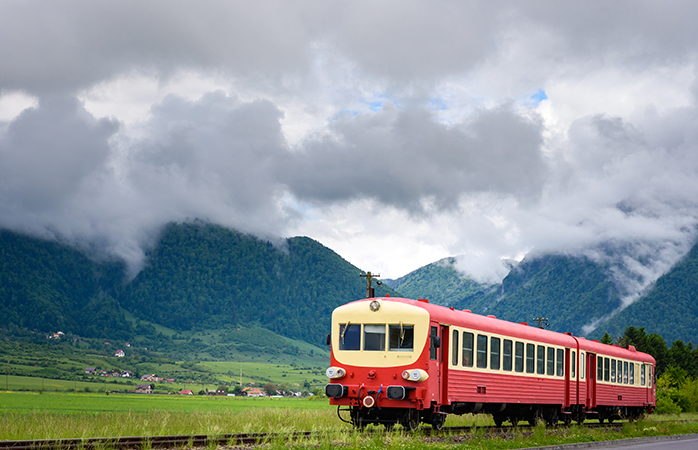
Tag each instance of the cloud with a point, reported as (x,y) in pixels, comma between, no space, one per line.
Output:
(393,129)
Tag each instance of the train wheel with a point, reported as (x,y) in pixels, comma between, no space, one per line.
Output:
(410,420)
(580,418)
(437,422)
(514,421)
(498,420)
(357,420)
(567,419)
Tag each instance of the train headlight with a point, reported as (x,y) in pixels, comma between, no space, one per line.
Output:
(415,375)
(335,373)
(375,305)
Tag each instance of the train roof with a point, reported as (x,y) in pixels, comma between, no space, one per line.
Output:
(490,324)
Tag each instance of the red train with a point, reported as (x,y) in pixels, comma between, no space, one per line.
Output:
(396,360)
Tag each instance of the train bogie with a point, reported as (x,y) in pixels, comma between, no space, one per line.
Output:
(405,361)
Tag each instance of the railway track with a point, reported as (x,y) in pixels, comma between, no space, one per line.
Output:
(239,439)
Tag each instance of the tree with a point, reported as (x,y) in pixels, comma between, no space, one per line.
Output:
(606,339)
(269,388)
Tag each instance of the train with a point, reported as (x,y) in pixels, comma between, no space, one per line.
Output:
(403,361)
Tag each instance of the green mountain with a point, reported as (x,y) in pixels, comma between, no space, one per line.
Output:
(670,309)
(197,277)
(49,287)
(570,292)
(441,283)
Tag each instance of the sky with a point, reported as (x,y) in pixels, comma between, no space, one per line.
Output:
(396,133)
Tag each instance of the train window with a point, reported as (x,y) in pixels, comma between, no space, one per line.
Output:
(551,361)
(349,336)
(506,355)
(530,358)
(454,348)
(494,353)
(519,356)
(581,365)
(574,364)
(467,349)
(401,338)
(374,337)
(540,360)
(482,351)
(560,362)
(599,369)
(631,375)
(625,372)
(649,376)
(433,338)
(620,371)
(613,371)
(642,375)
(606,369)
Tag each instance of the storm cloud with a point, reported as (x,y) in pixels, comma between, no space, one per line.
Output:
(396,133)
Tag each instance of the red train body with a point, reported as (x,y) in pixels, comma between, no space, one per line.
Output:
(397,360)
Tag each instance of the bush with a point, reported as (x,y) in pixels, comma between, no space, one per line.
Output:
(666,406)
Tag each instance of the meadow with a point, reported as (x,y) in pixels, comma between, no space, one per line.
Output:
(48,415)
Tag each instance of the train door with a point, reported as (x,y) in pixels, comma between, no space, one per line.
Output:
(443,363)
(591,381)
(568,383)
(436,384)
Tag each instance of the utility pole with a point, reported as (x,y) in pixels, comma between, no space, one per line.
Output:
(370,290)
(541,321)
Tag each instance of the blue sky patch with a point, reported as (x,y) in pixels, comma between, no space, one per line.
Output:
(539,97)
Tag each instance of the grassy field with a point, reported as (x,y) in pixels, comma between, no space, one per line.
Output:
(28,415)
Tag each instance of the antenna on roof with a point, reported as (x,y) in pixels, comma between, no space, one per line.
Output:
(370,290)
(542,321)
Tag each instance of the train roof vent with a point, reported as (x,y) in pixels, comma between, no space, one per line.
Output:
(452,308)
(523,323)
(632,348)
(467,310)
(423,300)
(491,316)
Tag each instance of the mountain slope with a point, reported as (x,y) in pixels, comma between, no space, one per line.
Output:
(670,309)
(51,287)
(198,276)
(441,283)
(569,291)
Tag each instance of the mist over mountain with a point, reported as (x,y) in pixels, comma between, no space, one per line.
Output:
(579,294)
(198,276)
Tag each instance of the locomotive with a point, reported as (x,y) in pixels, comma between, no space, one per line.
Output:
(396,360)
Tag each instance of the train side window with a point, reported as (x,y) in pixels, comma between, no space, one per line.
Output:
(606,369)
(494,353)
(482,351)
(581,365)
(349,336)
(519,357)
(454,348)
(374,337)
(560,362)
(540,360)
(551,361)
(620,372)
(506,355)
(530,358)
(632,373)
(401,338)
(613,371)
(649,376)
(467,349)
(599,368)
(573,364)
(625,372)
(642,375)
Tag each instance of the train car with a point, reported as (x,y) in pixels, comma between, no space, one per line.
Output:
(397,360)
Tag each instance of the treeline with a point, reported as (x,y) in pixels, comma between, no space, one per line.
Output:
(677,368)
